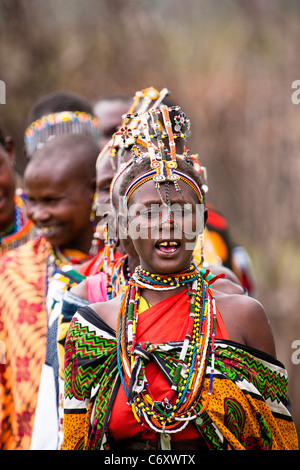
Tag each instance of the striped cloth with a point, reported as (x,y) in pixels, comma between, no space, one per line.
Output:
(247,410)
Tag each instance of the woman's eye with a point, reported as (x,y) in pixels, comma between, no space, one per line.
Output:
(187,209)
(51,200)
(149,214)
(29,200)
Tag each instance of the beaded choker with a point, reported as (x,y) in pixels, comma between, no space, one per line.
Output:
(57,259)
(21,231)
(187,360)
(145,279)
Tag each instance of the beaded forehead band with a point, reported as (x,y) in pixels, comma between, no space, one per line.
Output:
(150,175)
(65,122)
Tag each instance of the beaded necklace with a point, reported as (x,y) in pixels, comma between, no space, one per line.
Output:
(182,403)
(146,279)
(117,281)
(57,259)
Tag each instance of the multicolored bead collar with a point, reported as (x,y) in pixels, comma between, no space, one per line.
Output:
(65,122)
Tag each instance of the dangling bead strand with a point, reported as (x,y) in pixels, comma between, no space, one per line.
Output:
(182,404)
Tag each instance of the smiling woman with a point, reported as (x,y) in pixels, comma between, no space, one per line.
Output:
(169,363)
(60,204)
(60,185)
(163,223)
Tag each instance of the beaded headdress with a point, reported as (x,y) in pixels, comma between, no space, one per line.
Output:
(163,138)
(128,135)
(129,132)
(65,122)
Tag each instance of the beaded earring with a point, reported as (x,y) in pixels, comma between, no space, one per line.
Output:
(95,246)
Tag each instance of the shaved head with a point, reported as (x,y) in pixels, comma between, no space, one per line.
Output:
(72,153)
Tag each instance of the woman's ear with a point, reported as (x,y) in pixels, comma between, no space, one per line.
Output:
(205,216)
(93,187)
(10,149)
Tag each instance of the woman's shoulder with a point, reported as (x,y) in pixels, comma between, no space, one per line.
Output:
(108,311)
(246,305)
(246,321)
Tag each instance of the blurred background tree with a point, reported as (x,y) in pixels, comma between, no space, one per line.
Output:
(230,64)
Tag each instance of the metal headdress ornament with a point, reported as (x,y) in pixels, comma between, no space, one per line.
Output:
(129,132)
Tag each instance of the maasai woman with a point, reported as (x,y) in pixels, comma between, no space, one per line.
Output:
(60,185)
(122,147)
(172,363)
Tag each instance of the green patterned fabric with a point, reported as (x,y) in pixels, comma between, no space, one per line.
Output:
(247,410)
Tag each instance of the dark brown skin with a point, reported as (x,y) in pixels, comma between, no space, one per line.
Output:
(104,176)
(244,317)
(110,112)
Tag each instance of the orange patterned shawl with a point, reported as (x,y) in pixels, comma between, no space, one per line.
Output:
(23,328)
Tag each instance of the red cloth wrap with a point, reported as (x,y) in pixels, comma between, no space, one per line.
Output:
(165,321)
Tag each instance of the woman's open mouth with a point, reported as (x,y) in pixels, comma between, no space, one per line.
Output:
(168,246)
(49,231)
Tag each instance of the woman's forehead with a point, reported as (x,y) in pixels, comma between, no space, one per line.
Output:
(58,175)
(104,173)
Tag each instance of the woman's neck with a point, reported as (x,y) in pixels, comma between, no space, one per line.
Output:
(132,263)
(153,297)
